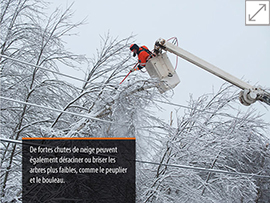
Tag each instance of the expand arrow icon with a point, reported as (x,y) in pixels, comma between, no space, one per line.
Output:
(252,18)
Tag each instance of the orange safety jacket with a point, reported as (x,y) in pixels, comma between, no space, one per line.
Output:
(143,56)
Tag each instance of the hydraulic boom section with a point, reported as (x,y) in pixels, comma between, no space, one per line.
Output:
(247,96)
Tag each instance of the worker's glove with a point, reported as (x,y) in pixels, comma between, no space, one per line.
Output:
(140,67)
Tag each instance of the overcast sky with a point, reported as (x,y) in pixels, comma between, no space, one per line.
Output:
(212,30)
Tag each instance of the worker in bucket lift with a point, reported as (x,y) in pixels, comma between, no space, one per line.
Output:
(143,55)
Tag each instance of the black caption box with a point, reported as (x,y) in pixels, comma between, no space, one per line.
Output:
(79,170)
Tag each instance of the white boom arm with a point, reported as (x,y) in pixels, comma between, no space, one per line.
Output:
(249,94)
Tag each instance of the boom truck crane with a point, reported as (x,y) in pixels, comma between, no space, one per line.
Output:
(161,68)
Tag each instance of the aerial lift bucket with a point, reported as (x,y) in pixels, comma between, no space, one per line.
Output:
(160,67)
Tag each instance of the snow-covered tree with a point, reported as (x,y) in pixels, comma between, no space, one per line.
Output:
(28,35)
(212,134)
